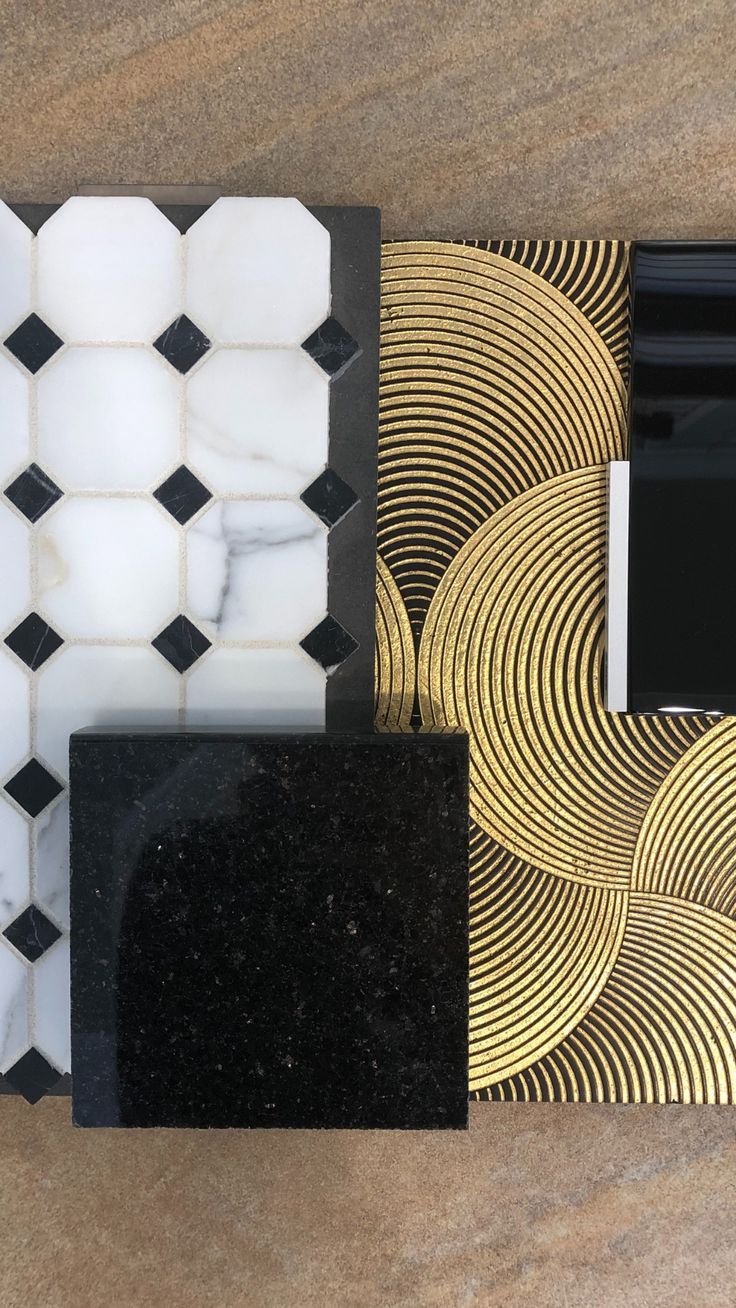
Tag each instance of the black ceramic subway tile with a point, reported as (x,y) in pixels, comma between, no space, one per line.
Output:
(682,506)
(329,644)
(269,930)
(182,494)
(34,641)
(182,344)
(32,933)
(332,347)
(181,643)
(33,787)
(33,492)
(329,497)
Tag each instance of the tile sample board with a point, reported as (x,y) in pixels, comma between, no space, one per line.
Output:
(269,930)
(602,863)
(187,466)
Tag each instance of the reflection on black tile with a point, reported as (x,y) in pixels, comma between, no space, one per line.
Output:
(182,494)
(181,643)
(32,933)
(33,343)
(33,787)
(182,344)
(332,347)
(32,1076)
(269,930)
(329,497)
(329,644)
(33,492)
(682,626)
(34,641)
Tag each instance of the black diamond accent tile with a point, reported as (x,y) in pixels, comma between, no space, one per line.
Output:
(182,494)
(183,216)
(181,643)
(332,347)
(33,343)
(34,215)
(182,344)
(33,787)
(33,492)
(329,644)
(33,641)
(329,497)
(32,1076)
(31,933)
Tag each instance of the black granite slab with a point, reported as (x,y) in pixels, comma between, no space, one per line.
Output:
(269,930)
(682,513)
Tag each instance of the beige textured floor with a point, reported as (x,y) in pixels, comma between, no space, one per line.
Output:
(475,119)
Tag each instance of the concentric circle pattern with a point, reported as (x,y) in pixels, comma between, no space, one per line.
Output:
(603,859)
(492,381)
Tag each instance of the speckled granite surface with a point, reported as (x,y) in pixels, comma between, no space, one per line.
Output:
(549,120)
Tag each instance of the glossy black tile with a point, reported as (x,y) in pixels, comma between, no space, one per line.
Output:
(329,497)
(682,507)
(182,494)
(181,643)
(269,930)
(34,641)
(33,343)
(33,1076)
(32,933)
(182,344)
(33,492)
(329,644)
(33,787)
(332,347)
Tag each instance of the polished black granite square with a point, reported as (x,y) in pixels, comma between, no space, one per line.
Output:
(682,510)
(269,930)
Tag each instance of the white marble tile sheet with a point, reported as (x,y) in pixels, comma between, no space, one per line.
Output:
(256,688)
(15,270)
(15,589)
(109,419)
(14,433)
(14,1033)
(51,1031)
(101,686)
(258,421)
(108,270)
(15,868)
(108,568)
(15,698)
(257,571)
(258,272)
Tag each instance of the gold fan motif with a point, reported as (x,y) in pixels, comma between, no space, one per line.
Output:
(603,861)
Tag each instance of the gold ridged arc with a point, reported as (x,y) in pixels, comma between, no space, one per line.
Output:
(541,948)
(602,847)
(492,381)
(511,651)
(395,673)
(687,843)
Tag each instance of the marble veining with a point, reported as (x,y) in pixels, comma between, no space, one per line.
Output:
(160,417)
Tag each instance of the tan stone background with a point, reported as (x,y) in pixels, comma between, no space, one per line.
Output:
(485,119)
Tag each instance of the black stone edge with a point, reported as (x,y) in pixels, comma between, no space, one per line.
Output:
(355,235)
